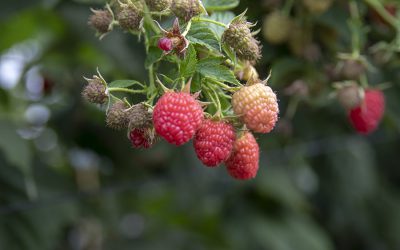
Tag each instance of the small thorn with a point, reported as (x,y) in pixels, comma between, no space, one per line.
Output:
(186,88)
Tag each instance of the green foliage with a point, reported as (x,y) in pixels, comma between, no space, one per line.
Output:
(320,185)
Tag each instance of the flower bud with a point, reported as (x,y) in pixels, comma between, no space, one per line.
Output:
(158,5)
(118,116)
(95,91)
(350,96)
(139,116)
(129,17)
(238,36)
(353,69)
(101,20)
(186,9)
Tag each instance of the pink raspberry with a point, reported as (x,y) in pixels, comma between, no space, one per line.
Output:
(177,116)
(243,162)
(213,142)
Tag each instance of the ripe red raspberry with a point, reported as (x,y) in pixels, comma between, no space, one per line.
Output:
(257,106)
(139,139)
(165,44)
(177,116)
(366,117)
(243,162)
(213,142)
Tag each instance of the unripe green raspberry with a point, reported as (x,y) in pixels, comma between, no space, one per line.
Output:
(186,9)
(139,116)
(118,116)
(247,73)
(158,5)
(95,91)
(101,20)
(238,36)
(317,6)
(129,17)
(276,28)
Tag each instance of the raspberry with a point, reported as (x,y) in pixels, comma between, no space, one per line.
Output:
(243,162)
(101,20)
(277,28)
(239,37)
(213,142)
(257,106)
(165,44)
(129,17)
(95,91)
(141,138)
(118,116)
(177,116)
(186,9)
(366,117)
(158,5)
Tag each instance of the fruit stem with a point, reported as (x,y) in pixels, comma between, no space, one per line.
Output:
(200,19)
(380,9)
(133,91)
(355,24)
(215,100)
(149,20)
(224,86)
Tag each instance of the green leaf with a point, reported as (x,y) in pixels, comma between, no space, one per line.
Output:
(219,5)
(212,68)
(153,56)
(15,149)
(201,33)
(222,17)
(188,64)
(123,83)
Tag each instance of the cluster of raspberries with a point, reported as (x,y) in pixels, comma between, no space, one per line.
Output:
(178,117)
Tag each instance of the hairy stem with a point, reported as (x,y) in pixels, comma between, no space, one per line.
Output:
(200,19)
(132,91)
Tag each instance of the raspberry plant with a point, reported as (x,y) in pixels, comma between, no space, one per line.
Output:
(201,82)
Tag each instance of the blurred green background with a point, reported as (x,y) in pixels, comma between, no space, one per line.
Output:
(68,182)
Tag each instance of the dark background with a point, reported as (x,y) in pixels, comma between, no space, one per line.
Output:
(68,182)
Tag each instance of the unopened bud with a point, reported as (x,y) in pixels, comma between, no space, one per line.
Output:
(101,20)
(118,116)
(129,17)
(186,9)
(95,91)
(238,36)
(158,5)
